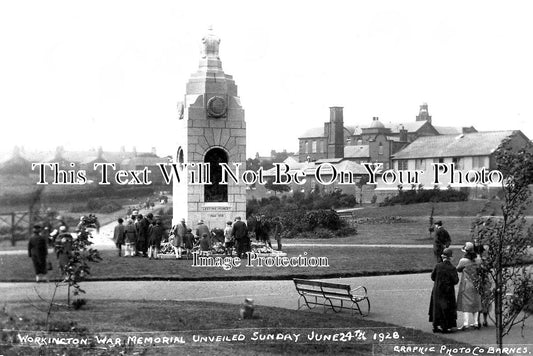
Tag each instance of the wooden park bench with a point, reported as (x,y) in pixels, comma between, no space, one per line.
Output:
(332,295)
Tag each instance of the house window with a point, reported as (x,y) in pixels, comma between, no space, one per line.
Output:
(313,147)
(420,164)
(402,165)
(380,149)
(458,162)
(479,162)
(306,146)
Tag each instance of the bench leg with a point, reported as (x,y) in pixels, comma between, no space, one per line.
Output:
(358,307)
(333,306)
(308,304)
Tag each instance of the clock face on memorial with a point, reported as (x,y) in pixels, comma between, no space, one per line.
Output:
(216,107)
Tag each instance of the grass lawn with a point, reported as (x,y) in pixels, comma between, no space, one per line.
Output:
(192,320)
(466,208)
(343,262)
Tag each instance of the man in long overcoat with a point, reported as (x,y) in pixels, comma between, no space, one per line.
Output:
(38,250)
(443,306)
(179,237)
(118,235)
(442,241)
(142,225)
(240,233)
(202,229)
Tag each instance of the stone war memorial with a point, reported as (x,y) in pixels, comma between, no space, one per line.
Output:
(211,129)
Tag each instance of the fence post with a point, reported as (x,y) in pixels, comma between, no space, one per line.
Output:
(13,242)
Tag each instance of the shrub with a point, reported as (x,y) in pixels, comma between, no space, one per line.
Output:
(109,208)
(414,196)
(301,214)
(102,205)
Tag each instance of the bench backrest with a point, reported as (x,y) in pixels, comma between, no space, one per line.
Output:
(305,285)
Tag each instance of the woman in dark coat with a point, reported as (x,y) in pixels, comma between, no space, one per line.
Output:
(443,307)
(38,250)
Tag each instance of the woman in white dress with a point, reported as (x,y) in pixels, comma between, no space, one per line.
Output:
(468,297)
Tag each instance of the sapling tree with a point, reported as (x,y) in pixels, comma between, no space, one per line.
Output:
(80,254)
(508,236)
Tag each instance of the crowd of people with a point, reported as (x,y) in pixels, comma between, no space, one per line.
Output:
(473,296)
(143,236)
(140,236)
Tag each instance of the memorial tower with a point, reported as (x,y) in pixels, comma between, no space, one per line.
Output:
(211,129)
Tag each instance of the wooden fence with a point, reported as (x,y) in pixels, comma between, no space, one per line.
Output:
(17,225)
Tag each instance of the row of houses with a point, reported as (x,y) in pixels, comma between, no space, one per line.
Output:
(19,161)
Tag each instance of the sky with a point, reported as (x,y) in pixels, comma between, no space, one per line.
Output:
(110,73)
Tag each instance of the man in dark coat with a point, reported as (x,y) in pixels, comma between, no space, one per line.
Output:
(38,250)
(262,230)
(443,306)
(118,235)
(442,241)
(154,242)
(202,229)
(142,225)
(240,233)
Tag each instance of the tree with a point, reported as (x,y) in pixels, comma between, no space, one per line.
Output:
(508,237)
(77,267)
(269,185)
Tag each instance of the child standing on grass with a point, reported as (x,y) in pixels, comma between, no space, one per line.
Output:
(228,239)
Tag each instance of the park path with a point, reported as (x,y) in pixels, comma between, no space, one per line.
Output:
(398,299)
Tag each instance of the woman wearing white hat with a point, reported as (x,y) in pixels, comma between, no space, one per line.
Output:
(468,297)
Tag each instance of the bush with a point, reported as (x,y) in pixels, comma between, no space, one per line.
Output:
(414,196)
(102,205)
(302,215)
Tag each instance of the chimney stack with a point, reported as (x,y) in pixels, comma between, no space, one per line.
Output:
(336,132)
(403,134)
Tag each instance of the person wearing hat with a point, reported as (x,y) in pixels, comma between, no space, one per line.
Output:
(442,241)
(468,297)
(130,238)
(154,241)
(38,251)
(205,244)
(118,235)
(228,240)
(188,242)
(63,247)
(143,234)
(179,235)
(443,307)
(202,229)
(240,233)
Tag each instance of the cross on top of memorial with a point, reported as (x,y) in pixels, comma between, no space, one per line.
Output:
(210,45)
